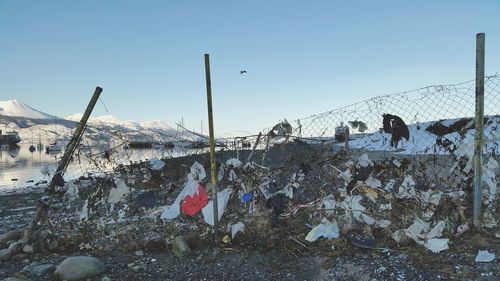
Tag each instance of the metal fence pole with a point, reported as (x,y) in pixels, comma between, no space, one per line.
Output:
(479,123)
(212,148)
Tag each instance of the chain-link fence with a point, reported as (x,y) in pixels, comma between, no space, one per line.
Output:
(431,130)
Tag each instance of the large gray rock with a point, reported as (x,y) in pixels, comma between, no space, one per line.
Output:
(12,235)
(80,267)
(5,254)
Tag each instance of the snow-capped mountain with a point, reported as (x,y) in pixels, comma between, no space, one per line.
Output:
(19,109)
(34,124)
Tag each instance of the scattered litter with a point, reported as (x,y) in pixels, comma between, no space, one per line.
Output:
(236,163)
(171,212)
(146,199)
(72,192)
(373,182)
(292,211)
(156,164)
(382,223)
(364,242)
(118,193)
(197,171)
(407,188)
(235,228)
(324,229)
(421,232)
(485,256)
(193,203)
(328,203)
(247,197)
(353,206)
(489,177)
(396,163)
(437,245)
(461,229)
(364,161)
(232,175)
(430,197)
(222,199)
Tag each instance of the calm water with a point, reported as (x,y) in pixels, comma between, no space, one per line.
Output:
(21,168)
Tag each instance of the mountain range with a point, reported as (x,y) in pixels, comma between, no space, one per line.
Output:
(31,123)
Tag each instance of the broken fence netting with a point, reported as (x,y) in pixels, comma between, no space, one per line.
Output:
(429,130)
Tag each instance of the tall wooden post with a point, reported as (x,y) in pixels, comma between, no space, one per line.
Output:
(479,123)
(63,163)
(213,173)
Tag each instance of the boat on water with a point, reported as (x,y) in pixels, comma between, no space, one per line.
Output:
(53,148)
(9,138)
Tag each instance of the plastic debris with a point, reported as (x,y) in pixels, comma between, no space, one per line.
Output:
(156,164)
(192,204)
(364,161)
(247,197)
(118,193)
(421,232)
(72,192)
(352,204)
(407,188)
(437,245)
(222,199)
(382,223)
(489,177)
(236,163)
(173,211)
(485,256)
(396,163)
(328,203)
(324,229)
(235,228)
(373,182)
(146,199)
(461,229)
(197,171)
(430,197)
(232,175)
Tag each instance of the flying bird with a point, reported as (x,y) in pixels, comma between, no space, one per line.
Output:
(243,71)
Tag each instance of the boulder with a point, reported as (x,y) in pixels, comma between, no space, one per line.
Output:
(12,235)
(79,267)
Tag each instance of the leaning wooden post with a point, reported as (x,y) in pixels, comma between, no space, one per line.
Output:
(479,123)
(212,148)
(63,163)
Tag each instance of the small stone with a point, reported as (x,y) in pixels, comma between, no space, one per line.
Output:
(5,254)
(43,269)
(130,265)
(139,253)
(106,278)
(136,268)
(80,267)
(180,247)
(28,249)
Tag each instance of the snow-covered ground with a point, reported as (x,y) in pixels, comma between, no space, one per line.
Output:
(423,139)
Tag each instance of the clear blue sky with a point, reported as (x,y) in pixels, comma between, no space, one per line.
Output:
(302,57)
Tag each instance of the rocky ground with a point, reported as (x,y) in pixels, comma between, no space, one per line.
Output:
(129,242)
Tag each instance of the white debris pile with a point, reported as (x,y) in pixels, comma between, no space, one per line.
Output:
(425,235)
